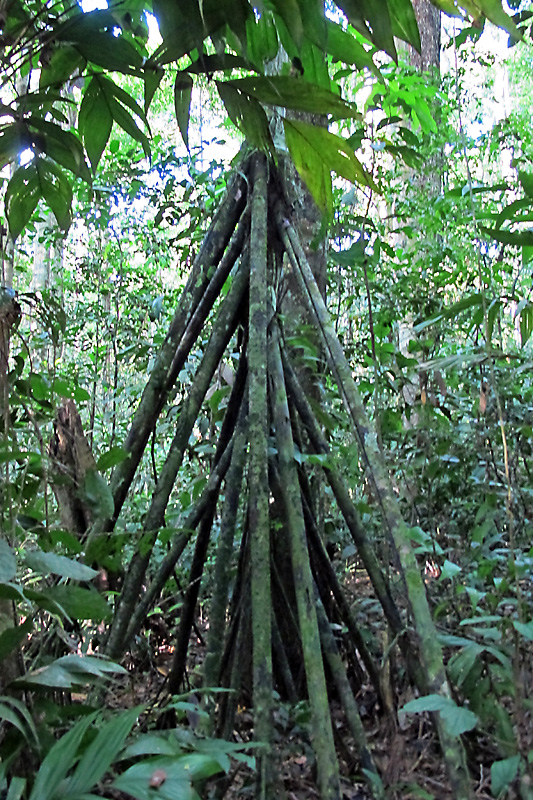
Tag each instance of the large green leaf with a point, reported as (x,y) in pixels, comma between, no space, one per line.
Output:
(46,563)
(101,753)
(247,115)
(14,139)
(75,601)
(176,773)
(373,21)
(493,10)
(517,238)
(95,121)
(41,178)
(403,20)
(56,191)
(63,62)
(71,671)
(315,29)
(22,195)
(97,494)
(94,36)
(153,76)
(342,46)
(182,104)
(14,711)
(261,40)
(311,167)
(297,94)
(185,25)
(316,152)
(502,774)
(456,719)
(289,11)
(103,103)
(59,760)
(336,153)
(60,145)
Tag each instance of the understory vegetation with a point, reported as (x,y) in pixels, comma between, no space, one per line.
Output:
(266,445)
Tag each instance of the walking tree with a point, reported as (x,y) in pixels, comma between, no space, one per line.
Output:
(272,449)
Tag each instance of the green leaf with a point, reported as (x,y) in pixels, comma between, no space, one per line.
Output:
(289,12)
(8,562)
(115,455)
(510,211)
(493,10)
(64,61)
(373,21)
(179,772)
(217,62)
(45,563)
(261,40)
(152,78)
(93,35)
(69,672)
(336,153)
(526,323)
(101,753)
(16,788)
(526,181)
(76,601)
(342,46)
(311,167)
(525,629)
(128,124)
(59,760)
(403,22)
(516,238)
(182,103)
(114,53)
(56,191)
(431,702)
(11,638)
(502,774)
(15,712)
(458,720)
(97,494)
(291,92)
(12,591)
(22,195)
(247,115)
(95,122)
(13,140)
(449,570)
(152,744)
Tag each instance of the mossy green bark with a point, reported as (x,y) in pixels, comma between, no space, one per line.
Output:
(219,599)
(322,731)
(429,647)
(258,514)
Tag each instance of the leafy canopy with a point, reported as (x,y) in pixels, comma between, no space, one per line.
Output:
(56,58)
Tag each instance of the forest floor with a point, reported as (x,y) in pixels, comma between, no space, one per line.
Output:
(404,750)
